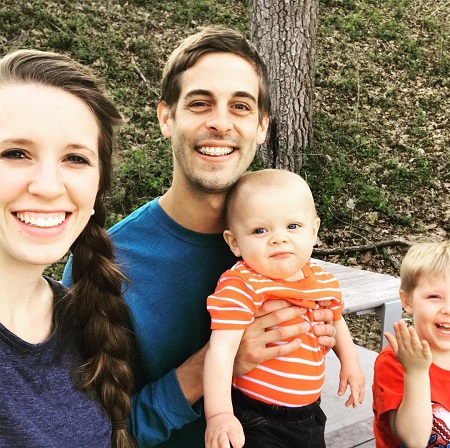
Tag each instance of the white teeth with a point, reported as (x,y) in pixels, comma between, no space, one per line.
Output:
(40,221)
(215,151)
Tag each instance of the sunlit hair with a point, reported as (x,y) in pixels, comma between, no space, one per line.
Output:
(212,39)
(94,305)
(260,180)
(431,260)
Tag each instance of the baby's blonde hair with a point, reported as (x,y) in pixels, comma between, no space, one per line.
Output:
(424,259)
(260,179)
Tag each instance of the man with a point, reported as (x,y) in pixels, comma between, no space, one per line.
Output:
(214,107)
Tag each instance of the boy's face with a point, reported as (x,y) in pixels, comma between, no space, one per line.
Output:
(274,230)
(429,304)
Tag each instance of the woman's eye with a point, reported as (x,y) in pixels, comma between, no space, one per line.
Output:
(79,160)
(13,154)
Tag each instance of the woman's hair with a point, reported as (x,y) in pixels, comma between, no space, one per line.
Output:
(424,259)
(94,303)
(212,39)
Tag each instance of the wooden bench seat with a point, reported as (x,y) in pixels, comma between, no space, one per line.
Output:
(363,292)
(367,292)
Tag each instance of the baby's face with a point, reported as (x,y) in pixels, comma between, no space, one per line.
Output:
(275,230)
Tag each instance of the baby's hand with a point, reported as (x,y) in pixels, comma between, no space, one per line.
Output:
(352,375)
(413,354)
(223,429)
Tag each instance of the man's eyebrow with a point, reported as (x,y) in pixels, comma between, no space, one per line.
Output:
(198,92)
(208,93)
(244,94)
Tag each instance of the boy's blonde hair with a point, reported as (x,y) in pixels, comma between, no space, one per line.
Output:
(424,259)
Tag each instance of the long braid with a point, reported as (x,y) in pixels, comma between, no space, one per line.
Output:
(100,313)
(94,304)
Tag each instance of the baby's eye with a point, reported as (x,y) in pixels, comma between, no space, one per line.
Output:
(13,154)
(260,230)
(293,226)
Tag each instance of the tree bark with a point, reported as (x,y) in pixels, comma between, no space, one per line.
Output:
(284,32)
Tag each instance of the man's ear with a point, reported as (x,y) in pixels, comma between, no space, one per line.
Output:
(232,242)
(262,130)
(164,118)
(406,301)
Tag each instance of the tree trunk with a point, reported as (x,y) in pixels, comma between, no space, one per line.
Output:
(284,32)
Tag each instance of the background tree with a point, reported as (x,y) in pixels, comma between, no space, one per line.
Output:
(284,32)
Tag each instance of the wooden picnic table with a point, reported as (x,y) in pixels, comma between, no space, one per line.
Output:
(363,292)
(368,292)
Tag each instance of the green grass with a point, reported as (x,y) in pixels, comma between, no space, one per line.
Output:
(381,109)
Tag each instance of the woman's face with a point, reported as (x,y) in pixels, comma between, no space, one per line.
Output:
(49,172)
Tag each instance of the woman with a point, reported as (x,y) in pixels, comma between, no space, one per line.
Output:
(65,378)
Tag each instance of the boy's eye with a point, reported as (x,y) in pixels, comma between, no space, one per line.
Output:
(260,230)
(13,154)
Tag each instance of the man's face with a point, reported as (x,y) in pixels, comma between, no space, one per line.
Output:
(216,126)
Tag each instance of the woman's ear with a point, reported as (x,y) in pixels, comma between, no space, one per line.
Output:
(232,242)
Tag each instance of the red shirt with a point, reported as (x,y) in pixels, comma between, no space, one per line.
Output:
(388,395)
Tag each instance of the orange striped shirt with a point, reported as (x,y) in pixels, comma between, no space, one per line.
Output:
(293,380)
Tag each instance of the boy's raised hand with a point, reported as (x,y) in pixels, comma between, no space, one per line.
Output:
(413,354)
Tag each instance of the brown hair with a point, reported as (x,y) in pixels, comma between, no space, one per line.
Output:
(94,303)
(212,39)
(424,259)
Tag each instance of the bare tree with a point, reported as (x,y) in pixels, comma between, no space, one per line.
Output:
(284,32)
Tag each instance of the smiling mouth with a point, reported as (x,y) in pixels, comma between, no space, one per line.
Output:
(41,221)
(444,328)
(215,150)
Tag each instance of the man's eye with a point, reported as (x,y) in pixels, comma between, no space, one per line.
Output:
(259,230)
(240,107)
(197,104)
(13,154)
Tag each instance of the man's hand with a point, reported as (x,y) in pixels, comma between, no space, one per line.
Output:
(253,349)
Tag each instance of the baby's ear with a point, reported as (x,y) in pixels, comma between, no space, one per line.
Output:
(232,242)
(406,301)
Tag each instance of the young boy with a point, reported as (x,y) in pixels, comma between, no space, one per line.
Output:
(272,224)
(411,390)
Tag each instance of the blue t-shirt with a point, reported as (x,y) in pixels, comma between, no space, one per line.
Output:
(171,272)
(39,404)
